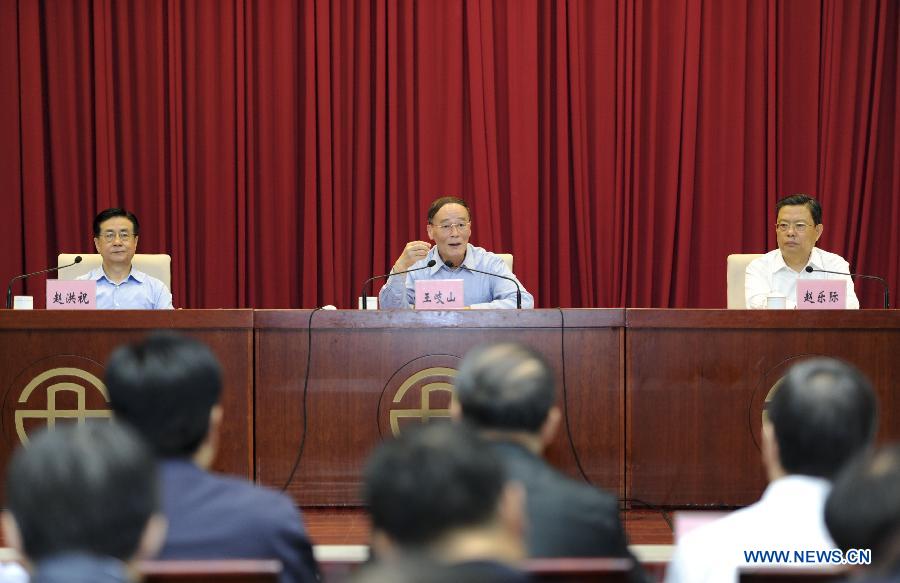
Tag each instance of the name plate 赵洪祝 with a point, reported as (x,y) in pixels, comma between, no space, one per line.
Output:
(71,294)
(439,294)
(821,294)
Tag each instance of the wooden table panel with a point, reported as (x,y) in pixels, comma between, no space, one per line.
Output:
(661,405)
(75,346)
(696,384)
(360,362)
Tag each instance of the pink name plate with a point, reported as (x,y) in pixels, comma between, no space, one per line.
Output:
(439,294)
(821,294)
(71,295)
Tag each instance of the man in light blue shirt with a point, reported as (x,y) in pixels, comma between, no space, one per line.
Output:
(450,226)
(119,285)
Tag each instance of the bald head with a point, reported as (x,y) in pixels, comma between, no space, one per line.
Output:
(505,387)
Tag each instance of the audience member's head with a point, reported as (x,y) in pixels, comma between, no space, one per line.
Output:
(507,388)
(863,509)
(439,491)
(88,489)
(823,414)
(168,387)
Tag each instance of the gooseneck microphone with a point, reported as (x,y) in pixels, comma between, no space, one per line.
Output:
(449,264)
(362,294)
(884,285)
(27,275)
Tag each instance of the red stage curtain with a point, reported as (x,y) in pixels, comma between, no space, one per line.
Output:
(282,152)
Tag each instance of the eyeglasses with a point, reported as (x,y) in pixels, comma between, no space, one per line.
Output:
(449,227)
(110,236)
(798,227)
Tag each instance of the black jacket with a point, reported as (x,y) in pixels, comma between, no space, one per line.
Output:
(566,518)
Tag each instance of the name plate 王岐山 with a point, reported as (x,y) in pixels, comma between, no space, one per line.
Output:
(439,294)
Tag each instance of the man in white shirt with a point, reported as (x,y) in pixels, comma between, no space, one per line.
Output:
(797,228)
(823,413)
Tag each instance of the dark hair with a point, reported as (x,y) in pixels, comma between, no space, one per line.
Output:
(165,386)
(430,481)
(505,386)
(82,488)
(863,508)
(809,202)
(112,213)
(445,200)
(823,414)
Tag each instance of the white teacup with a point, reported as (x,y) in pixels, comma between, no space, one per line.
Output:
(371,302)
(776,302)
(23,302)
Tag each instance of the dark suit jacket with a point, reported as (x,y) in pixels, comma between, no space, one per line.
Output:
(216,517)
(565,518)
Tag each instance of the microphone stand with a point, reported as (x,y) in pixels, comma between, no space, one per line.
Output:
(27,275)
(362,294)
(884,285)
(515,283)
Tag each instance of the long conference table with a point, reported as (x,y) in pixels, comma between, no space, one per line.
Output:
(663,407)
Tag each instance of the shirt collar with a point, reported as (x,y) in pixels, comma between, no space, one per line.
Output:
(110,568)
(797,486)
(99,274)
(469,261)
(815,259)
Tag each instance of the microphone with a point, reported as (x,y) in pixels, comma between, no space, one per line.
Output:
(362,294)
(449,264)
(887,303)
(26,275)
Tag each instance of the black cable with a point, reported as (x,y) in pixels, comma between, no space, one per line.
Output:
(305,412)
(562,343)
(622,501)
(660,509)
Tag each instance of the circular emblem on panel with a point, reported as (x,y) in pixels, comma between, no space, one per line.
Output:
(764,391)
(59,389)
(418,392)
